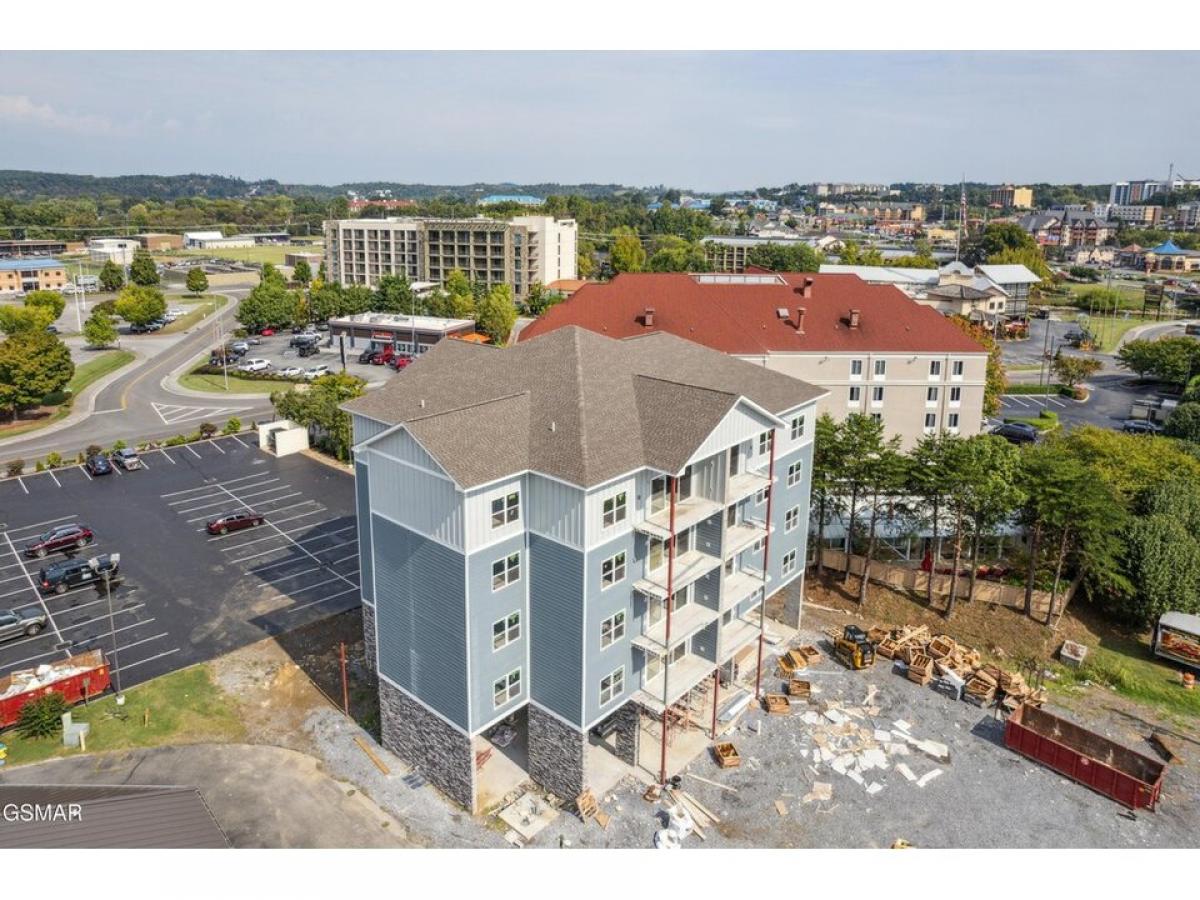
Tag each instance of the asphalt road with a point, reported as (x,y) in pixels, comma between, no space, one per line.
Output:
(137,405)
(184,596)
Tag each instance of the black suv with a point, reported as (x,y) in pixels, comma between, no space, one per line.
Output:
(60,577)
(1017,433)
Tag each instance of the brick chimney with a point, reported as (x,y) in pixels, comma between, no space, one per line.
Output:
(648,317)
(855,318)
(808,288)
(800,319)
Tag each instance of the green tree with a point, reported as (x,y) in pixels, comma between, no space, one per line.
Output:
(99,330)
(393,294)
(585,258)
(51,301)
(931,461)
(14,319)
(861,442)
(829,459)
(793,257)
(1172,359)
(111,276)
(321,275)
(139,304)
(541,299)
(142,270)
(319,408)
(1162,553)
(676,254)
(302,272)
(852,254)
(995,381)
(496,314)
(627,253)
(32,364)
(1031,258)
(197,281)
(1184,423)
(992,492)
(994,240)
(327,302)
(269,274)
(1073,370)
(269,303)
(883,475)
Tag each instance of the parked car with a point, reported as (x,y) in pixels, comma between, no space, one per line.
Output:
(97,465)
(60,577)
(266,332)
(1042,313)
(316,372)
(15,623)
(1140,426)
(1017,432)
(254,341)
(365,356)
(308,350)
(52,329)
(239,347)
(380,357)
(1075,337)
(235,522)
(255,365)
(127,459)
(399,362)
(61,537)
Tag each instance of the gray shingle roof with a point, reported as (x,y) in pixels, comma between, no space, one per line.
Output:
(573,404)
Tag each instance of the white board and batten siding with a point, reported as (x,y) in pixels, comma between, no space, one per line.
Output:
(741,423)
(409,488)
(556,510)
(478,507)
(365,428)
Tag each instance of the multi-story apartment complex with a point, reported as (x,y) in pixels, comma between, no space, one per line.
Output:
(20,276)
(569,532)
(1122,193)
(1007,196)
(1069,228)
(1141,215)
(522,251)
(873,348)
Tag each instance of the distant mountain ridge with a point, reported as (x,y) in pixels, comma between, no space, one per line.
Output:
(17,184)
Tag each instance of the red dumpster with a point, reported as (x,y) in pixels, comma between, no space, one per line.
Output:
(1107,767)
(76,678)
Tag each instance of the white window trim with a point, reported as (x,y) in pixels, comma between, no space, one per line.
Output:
(506,514)
(955,404)
(788,563)
(960,364)
(853,375)
(798,427)
(794,515)
(878,375)
(935,376)
(795,473)
(877,395)
(506,629)
(624,570)
(852,400)
(932,395)
(508,688)
(617,674)
(504,562)
(620,512)
(611,622)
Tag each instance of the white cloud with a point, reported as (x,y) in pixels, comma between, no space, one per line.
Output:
(19,108)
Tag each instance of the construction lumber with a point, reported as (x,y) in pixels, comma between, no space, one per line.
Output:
(888,648)
(920,668)
(700,806)
(379,764)
(716,784)
(810,653)
(586,804)
(727,755)
(940,646)
(877,635)
(777,704)
(798,688)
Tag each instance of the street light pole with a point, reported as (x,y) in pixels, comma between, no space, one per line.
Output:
(79,287)
(114,559)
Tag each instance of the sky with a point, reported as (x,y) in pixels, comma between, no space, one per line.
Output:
(707,121)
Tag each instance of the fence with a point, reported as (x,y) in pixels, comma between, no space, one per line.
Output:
(905,578)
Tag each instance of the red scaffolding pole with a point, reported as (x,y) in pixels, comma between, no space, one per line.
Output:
(716,690)
(762,606)
(667,641)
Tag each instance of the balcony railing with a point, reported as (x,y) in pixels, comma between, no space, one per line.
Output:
(686,672)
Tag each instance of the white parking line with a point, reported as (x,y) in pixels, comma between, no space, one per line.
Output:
(168,456)
(50,472)
(315,537)
(33,587)
(205,487)
(27,659)
(293,575)
(261,505)
(344,558)
(116,612)
(22,484)
(117,470)
(85,473)
(309,587)
(194,453)
(143,640)
(292,609)
(36,525)
(216,446)
(222,501)
(193,499)
(150,658)
(239,440)
(303,516)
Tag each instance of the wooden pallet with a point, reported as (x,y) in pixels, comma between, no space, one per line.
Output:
(810,653)
(790,662)
(777,704)
(727,755)
(888,648)
(920,668)
(800,689)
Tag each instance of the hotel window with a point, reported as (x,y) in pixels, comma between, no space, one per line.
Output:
(856,368)
(612,686)
(952,422)
(791,519)
(506,571)
(761,497)
(955,396)
(795,471)
(612,629)
(931,396)
(612,570)
(877,395)
(877,418)
(855,395)
(506,688)
(881,368)
(614,510)
(506,630)
(765,440)
(935,368)
(506,509)
(789,562)
(797,427)
(956,369)
(930,422)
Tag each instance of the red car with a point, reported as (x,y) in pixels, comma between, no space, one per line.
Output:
(60,537)
(399,362)
(266,332)
(384,356)
(235,522)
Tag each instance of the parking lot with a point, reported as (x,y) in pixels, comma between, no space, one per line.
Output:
(183,595)
(276,350)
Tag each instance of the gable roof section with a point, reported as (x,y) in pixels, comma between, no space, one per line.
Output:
(1009,273)
(574,404)
(741,319)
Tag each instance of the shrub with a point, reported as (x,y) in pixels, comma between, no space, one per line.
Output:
(79,458)
(118,445)
(42,717)
(176,441)
(16,466)
(40,467)
(53,460)
(207,430)
(93,450)
(233,426)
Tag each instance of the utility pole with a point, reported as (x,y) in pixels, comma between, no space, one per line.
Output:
(113,560)
(79,287)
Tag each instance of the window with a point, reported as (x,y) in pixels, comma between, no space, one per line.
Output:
(612,570)
(791,519)
(614,510)
(956,369)
(881,368)
(795,471)
(797,427)
(506,509)
(931,396)
(930,422)
(955,396)
(877,418)
(952,422)
(935,368)
(789,562)
(506,688)
(877,395)
(856,368)
(761,497)
(506,630)
(855,395)
(506,571)
(765,440)
(612,686)
(612,629)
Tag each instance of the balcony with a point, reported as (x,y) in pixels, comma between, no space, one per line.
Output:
(685,673)
(740,585)
(689,512)
(743,485)
(736,635)
(685,622)
(741,536)
(689,567)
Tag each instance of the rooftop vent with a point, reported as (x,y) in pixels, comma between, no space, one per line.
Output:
(648,317)
(808,288)
(781,312)
(800,311)
(855,318)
